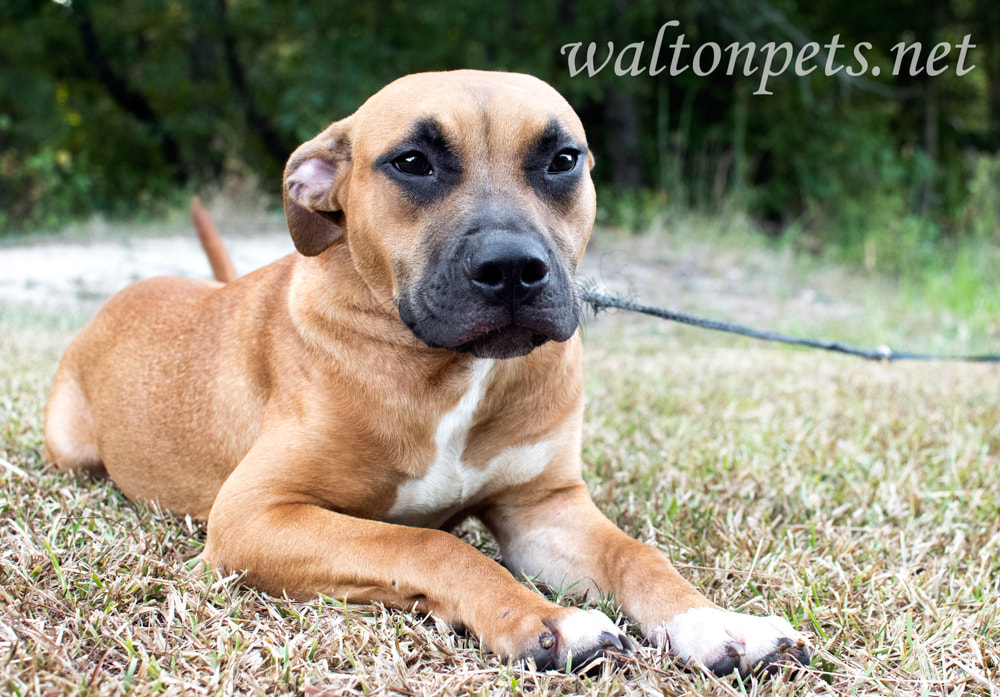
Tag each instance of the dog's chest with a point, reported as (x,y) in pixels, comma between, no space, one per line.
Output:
(451,484)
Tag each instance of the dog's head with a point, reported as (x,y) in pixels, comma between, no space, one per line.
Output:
(465,197)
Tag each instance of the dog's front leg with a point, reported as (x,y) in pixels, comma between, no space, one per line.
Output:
(287,542)
(560,538)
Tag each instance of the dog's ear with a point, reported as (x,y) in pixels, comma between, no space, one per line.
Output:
(315,179)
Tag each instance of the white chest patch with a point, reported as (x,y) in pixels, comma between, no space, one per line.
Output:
(449,484)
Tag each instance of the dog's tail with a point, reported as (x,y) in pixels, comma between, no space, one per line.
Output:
(211,242)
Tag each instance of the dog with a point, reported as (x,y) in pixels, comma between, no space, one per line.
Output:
(417,361)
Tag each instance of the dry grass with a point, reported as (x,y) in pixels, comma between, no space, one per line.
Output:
(860,501)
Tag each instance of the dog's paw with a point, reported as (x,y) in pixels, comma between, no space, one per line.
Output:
(724,642)
(576,639)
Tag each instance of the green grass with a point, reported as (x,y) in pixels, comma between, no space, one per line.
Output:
(859,500)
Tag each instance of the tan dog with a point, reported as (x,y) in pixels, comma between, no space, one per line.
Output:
(418,362)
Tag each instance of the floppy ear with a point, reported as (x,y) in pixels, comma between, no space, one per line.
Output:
(314,180)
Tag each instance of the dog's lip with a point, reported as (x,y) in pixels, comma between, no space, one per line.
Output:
(503,343)
(485,331)
(481,329)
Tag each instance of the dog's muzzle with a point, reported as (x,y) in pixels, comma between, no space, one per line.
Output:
(496,294)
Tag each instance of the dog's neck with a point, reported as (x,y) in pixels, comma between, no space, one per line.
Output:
(340,302)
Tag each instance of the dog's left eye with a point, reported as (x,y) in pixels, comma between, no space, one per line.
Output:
(564,161)
(413,163)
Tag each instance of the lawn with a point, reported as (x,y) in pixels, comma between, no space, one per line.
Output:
(861,501)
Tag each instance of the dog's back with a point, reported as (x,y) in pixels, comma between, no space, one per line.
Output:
(197,416)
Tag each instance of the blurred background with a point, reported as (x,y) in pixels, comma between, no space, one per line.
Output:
(124,109)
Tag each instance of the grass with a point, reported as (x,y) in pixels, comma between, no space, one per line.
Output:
(722,266)
(858,500)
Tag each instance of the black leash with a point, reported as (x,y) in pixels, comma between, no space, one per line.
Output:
(883,353)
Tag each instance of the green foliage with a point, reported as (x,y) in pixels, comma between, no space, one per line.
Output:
(980,212)
(110,108)
(631,210)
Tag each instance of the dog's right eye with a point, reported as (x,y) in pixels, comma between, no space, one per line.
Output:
(564,161)
(413,163)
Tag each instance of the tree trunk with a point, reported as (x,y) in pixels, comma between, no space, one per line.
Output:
(124,96)
(258,123)
(622,113)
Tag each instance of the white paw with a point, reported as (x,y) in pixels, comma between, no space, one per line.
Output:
(577,638)
(724,641)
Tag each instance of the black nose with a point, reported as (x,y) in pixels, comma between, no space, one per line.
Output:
(507,267)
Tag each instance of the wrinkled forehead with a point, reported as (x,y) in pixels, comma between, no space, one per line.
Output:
(472,110)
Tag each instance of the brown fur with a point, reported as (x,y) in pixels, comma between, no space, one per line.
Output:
(211,242)
(288,406)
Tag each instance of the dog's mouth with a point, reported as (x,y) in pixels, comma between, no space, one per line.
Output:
(489,333)
(508,342)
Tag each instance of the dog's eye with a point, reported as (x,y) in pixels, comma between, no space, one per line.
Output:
(564,161)
(413,163)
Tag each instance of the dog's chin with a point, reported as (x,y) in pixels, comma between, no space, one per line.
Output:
(509,342)
(481,336)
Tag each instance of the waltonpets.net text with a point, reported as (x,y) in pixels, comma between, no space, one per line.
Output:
(774,58)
